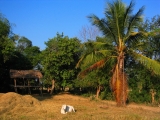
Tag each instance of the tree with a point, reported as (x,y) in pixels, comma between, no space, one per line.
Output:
(25,56)
(140,79)
(153,43)
(7,46)
(120,27)
(13,54)
(60,58)
(95,79)
(5,27)
(88,33)
(23,43)
(32,53)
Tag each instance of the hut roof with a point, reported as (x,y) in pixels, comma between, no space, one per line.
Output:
(25,74)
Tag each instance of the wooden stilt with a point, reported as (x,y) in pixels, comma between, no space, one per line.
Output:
(15,86)
(29,90)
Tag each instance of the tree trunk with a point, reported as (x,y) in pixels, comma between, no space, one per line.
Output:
(53,84)
(98,91)
(153,93)
(120,84)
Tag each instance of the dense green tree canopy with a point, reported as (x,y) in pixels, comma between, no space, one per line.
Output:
(5,27)
(60,58)
(7,46)
(23,43)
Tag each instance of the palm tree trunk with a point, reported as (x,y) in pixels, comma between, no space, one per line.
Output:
(117,87)
(120,89)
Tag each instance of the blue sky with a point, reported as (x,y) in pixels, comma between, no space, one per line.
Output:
(40,20)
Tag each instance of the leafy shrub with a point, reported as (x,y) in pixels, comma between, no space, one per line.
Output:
(143,97)
(105,95)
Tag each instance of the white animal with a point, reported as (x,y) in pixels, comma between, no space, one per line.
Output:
(67,108)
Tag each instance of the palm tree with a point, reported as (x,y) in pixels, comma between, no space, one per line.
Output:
(123,38)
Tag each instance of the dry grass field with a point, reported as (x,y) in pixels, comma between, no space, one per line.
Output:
(26,107)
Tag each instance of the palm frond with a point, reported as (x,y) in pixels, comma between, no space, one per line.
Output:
(150,64)
(112,20)
(117,14)
(128,12)
(87,59)
(96,65)
(79,62)
(138,38)
(155,32)
(105,52)
(135,37)
(103,26)
(93,52)
(135,20)
(102,45)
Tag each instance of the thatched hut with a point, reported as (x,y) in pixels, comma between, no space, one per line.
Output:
(26,79)
(25,74)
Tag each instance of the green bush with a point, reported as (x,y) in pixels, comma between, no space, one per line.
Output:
(143,97)
(105,95)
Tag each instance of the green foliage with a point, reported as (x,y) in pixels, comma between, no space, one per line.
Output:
(5,27)
(143,97)
(61,55)
(60,58)
(125,41)
(6,51)
(33,55)
(142,80)
(10,56)
(106,95)
(24,55)
(19,62)
(6,44)
(23,43)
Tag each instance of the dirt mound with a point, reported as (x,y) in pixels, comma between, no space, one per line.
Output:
(13,101)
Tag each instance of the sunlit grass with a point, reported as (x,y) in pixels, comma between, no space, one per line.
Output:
(86,109)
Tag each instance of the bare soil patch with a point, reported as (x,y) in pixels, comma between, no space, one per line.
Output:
(14,106)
